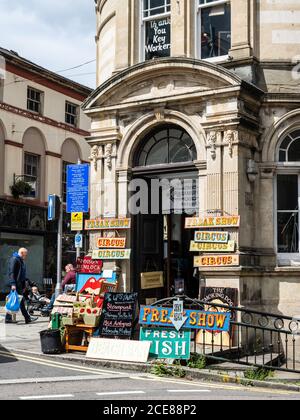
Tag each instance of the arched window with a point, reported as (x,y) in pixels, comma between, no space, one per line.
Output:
(288,195)
(167,145)
(289,150)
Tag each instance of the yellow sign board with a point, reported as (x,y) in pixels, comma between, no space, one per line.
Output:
(210,261)
(212,237)
(76,222)
(111,243)
(108,224)
(152,280)
(212,247)
(208,222)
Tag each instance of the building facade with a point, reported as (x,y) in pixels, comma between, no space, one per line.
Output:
(42,129)
(209,91)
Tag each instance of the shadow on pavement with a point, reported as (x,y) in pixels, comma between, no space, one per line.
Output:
(9,358)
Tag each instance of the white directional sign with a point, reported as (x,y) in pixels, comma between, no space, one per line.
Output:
(78,241)
(178,319)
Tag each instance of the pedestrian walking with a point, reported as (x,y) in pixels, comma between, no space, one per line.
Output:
(18,281)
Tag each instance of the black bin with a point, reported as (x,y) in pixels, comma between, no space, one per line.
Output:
(51,342)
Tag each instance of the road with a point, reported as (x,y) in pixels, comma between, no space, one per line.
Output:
(28,377)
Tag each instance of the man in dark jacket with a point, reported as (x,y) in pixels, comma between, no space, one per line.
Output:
(19,282)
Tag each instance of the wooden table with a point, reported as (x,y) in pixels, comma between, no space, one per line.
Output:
(86,329)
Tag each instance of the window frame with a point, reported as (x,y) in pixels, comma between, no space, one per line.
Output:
(142,27)
(65,164)
(199,8)
(37,177)
(76,116)
(41,102)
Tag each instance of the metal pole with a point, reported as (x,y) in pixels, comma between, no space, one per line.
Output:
(58,289)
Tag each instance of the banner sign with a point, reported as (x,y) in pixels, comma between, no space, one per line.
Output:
(111,242)
(199,320)
(212,222)
(76,222)
(111,254)
(118,315)
(212,237)
(168,343)
(87,265)
(217,261)
(203,247)
(107,224)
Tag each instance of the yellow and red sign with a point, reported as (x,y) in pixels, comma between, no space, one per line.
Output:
(210,261)
(212,247)
(107,243)
(107,224)
(76,222)
(212,222)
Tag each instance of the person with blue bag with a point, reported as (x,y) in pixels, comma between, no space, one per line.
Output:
(18,283)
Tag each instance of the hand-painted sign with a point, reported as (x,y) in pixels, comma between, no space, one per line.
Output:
(76,222)
(199,320)
(158,38)
(88,266)
(204,247)
(212,222)
(168,343)
(217,261)
(111,242)
(212,237)
(107,224)
(118,315)
(111,254)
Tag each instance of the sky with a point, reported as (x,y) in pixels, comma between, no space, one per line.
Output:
(56,34)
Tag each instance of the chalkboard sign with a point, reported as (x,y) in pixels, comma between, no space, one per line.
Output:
(118,315)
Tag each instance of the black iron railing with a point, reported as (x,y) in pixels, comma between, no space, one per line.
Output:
(258,339)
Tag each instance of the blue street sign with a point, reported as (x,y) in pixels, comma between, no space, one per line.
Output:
(79,241)
(53,208)
(78,188)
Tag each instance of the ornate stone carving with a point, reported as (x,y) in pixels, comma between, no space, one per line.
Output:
(212,143)
(94,156)
(230,137)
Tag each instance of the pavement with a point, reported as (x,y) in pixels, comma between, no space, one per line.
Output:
(25,373)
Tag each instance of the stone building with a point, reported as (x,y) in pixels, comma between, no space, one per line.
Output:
(207,90)
(42,129)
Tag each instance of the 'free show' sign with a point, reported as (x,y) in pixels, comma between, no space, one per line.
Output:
(199,320)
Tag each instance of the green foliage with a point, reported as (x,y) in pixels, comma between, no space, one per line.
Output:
(21,188)
(161,369)
(260,374)
(197,361)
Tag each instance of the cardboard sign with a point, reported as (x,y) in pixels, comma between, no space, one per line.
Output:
(203,247)
(87,265)
(168,343)
(217,261)
(199,320)
(118,315)
(212,222)
(119,350)
(76,222)
(152,280)
(111,243)
(107,224)
(111,254)
(212,237)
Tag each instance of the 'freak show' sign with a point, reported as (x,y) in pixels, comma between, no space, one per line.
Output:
(158,38)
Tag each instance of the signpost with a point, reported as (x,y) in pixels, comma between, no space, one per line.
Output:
(168,343)
(55,213)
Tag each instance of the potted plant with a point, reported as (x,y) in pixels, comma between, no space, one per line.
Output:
(21,188)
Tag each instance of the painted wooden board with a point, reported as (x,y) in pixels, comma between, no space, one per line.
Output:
(208,247)
(119,350)
(209,261)
(212,222)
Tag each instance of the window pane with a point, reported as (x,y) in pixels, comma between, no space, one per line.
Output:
(287,192)
(215,31)
(156,7)
(158,38)
(294,151)
(288,233)
(159,154)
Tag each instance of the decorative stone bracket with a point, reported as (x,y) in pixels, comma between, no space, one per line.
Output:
(106,152)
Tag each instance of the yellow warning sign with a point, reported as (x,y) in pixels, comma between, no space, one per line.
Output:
(76,222)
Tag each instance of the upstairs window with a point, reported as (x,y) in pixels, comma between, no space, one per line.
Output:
(34,100)
(156,29)
(214,28)
(32,172)
(71,116)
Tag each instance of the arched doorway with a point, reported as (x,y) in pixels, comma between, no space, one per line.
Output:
(167,191)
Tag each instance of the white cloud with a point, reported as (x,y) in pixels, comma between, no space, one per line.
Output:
(56,34)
